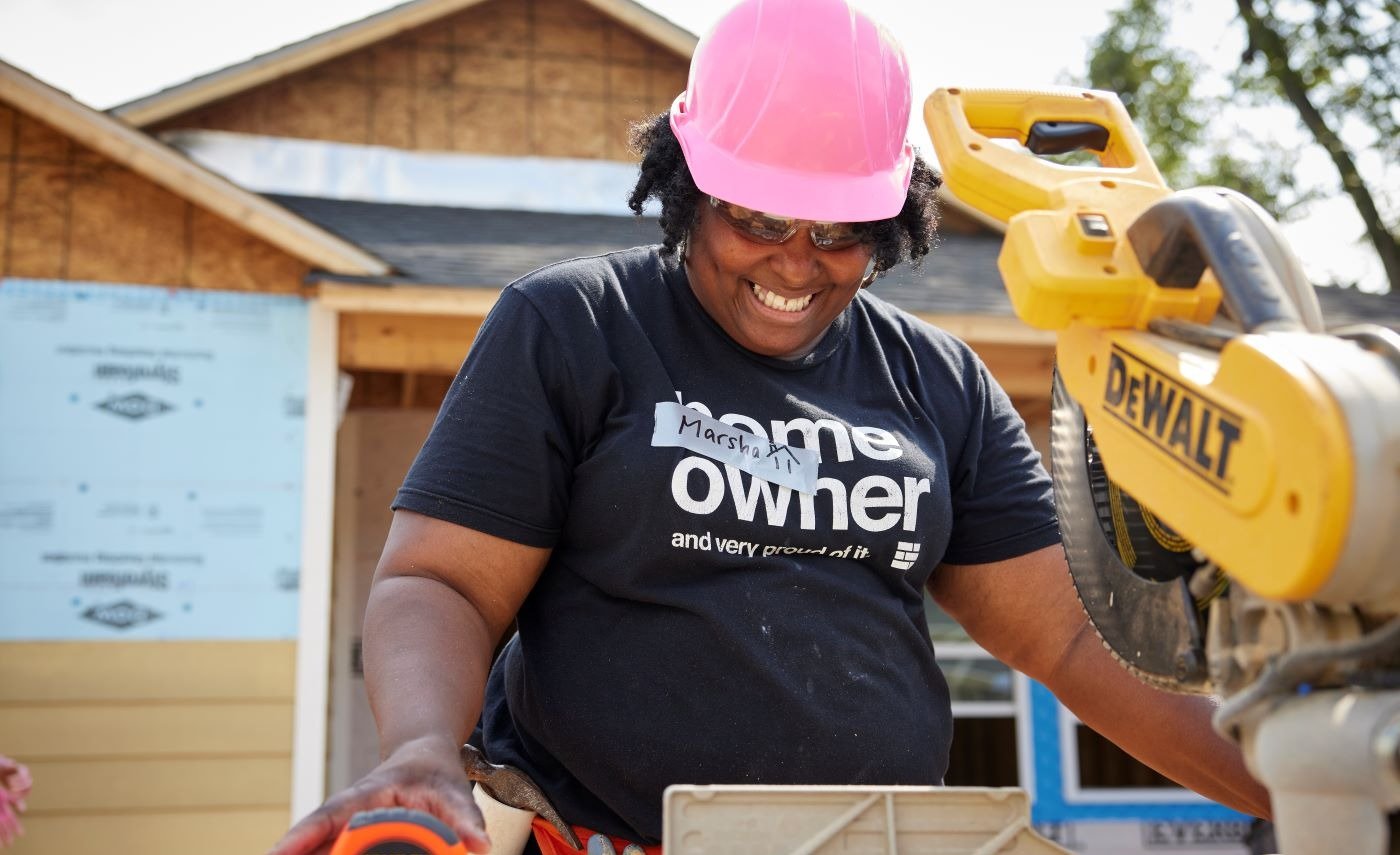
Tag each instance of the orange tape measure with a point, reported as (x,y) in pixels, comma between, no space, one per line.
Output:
(397,831)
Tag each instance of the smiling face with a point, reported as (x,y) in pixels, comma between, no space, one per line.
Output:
(772,300)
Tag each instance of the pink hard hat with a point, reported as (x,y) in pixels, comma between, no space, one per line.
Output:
(798,108)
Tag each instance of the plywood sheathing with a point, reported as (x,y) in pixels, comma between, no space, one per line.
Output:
(40,165)
(7,141)
(67,212)
(551,78)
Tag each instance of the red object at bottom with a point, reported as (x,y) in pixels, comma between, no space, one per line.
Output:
(547,836)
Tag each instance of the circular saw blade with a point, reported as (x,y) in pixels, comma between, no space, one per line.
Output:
(1130,570)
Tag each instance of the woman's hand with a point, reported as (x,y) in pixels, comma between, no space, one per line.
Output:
(424,774)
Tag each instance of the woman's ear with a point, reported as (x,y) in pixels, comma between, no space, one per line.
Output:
(869,274)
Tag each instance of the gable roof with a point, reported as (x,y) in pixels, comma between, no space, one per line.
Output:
(294,57)
(434,245)
(185,178)
(470,247)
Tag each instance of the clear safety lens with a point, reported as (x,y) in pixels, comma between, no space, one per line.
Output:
(772,230)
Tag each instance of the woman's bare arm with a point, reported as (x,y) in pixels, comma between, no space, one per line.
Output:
(441,599)
(1025,612)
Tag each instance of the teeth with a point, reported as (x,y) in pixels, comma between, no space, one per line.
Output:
(782,304)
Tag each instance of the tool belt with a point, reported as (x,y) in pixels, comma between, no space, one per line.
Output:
(510,801)
(551,842)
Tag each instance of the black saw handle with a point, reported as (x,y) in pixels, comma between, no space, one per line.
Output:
(1178,237)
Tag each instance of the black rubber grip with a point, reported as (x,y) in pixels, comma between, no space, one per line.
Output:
(1180,236)
(1048,137)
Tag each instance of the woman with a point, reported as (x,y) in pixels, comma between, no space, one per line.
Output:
(711,480)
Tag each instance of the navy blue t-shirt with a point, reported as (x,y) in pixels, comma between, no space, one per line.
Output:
(697,623)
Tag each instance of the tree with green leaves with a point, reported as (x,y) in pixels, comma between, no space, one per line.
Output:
(1156,83)
(1336,62)
(1160,85)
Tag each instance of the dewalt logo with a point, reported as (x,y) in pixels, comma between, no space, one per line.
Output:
(1192,429)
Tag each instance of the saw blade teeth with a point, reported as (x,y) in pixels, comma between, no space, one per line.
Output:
(1144,615)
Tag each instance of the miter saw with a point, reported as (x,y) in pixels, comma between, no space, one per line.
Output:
(1227,470)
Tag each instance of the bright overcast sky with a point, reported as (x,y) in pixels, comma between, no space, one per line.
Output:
(107,52)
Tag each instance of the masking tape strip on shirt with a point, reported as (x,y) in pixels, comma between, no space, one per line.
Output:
(786,465)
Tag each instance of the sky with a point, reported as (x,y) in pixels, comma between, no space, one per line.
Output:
(107,52)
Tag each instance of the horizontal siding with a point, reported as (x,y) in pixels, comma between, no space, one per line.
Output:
(154,784)
(226,832)
(48,731)
(147,670)
(148,746)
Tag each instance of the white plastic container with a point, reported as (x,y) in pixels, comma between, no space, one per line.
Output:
(753,820)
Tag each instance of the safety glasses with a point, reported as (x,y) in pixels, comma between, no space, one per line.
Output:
(772,230)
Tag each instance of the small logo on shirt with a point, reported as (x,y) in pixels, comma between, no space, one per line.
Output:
(905,555)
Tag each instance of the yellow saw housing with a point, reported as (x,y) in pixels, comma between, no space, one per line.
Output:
(1249,455)
(1250,449)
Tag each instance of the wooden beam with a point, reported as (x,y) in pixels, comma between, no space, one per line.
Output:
(407,299)
(311,704)
(420,299)
(990,329)
(1023,370)
(409,390)
(428,329)
(427,299)
(650,24)
(428,344)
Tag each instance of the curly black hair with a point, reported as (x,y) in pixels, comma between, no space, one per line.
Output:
(664,176)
